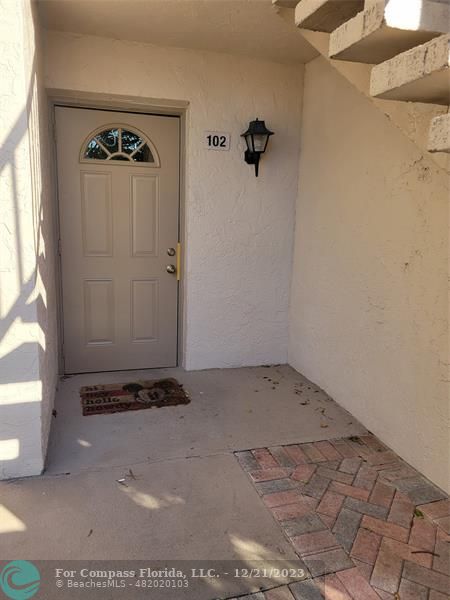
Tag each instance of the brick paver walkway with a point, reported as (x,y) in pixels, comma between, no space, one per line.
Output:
(365,524)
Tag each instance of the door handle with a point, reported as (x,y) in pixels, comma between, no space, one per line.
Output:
(171,269)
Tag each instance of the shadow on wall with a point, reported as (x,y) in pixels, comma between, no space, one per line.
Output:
(19,452)
(28,327)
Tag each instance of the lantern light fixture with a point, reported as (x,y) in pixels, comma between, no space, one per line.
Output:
(257,137)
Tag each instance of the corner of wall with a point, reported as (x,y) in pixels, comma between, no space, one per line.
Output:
(369,312)
(27,310)
(43,192)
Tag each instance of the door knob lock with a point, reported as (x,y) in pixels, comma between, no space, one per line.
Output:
(171,269)
(171,251)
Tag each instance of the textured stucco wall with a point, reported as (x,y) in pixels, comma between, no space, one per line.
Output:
(412,118)
(369,302)
(239,229)
(43,188)
(27,326)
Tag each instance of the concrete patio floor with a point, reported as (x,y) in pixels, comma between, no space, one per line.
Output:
(190,498)
(230,409)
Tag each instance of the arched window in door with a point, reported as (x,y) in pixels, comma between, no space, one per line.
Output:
(120,143)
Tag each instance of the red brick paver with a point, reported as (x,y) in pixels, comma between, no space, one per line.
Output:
(349,490)
(281,498)
(268,474)
(366,546)
(303,473)
(366,525)
(331,504)
(264,458)
(302,507)
(281,593)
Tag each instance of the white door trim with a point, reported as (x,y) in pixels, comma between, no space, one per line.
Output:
(131,105)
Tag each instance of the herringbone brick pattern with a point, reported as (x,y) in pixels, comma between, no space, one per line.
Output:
(366,525)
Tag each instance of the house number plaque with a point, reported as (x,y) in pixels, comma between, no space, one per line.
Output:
(217,140)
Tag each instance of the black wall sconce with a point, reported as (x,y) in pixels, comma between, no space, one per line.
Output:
(257,138)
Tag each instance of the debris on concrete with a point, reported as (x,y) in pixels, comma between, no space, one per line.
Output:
(131,475)
(356,439)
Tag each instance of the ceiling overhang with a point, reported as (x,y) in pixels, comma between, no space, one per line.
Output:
(244,27)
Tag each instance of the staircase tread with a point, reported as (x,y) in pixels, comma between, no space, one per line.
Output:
(375,35)
(417,75)
(325,15)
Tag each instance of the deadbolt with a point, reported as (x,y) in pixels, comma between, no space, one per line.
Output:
(171,269)
(171,251)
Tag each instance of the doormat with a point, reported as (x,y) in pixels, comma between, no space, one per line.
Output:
(136,395)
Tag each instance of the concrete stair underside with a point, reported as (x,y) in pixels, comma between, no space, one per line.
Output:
(285,3)
(374,35)
(439,138)
(418,75)
(430,106)
(325,15)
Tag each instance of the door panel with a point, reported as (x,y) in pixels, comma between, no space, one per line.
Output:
(98,312)
(144,306)
(145,210)
(118,216)
(96,214)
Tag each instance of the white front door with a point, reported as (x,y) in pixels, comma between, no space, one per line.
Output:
(118,188)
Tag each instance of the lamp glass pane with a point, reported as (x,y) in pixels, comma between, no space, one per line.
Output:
(249,140)
(259,142)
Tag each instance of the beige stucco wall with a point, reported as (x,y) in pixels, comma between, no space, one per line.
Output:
(43,175)
(369,299)
(28,363)
(239,229)
(369,302)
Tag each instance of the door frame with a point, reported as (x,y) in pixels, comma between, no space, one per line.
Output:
(123,104)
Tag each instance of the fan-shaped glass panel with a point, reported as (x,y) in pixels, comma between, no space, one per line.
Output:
(143,154)
(94,150)
(119,144)
(109,139)
(130,141)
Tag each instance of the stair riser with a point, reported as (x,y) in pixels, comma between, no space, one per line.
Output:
(380,32)
(383,44)
(285,3)
(325,15)
(439,139)
(419,75)
(433,89)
